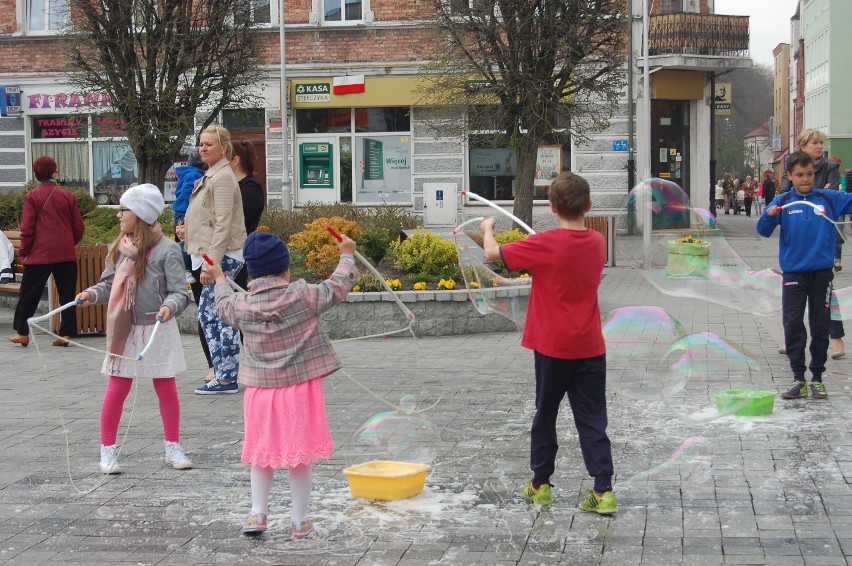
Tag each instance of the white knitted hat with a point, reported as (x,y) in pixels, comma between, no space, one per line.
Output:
(145,201)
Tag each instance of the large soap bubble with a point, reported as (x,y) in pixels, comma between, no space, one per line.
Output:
(401,435)
(690,462)
(682,253)
(490,292)
(696,368)
(637,339)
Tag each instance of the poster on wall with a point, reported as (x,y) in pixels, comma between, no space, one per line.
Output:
(548,164)
(493,162)
(384,170)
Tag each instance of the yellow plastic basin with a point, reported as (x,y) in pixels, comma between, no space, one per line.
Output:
(387,480)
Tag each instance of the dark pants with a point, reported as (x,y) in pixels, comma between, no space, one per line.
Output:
(748,205)
(811,289)
(32,286)
(584,382)
(196,294)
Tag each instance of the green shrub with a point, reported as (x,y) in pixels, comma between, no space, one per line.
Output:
(369,283)
(510,236)
(374,244)
(11,205)
(424,252)
(102,225)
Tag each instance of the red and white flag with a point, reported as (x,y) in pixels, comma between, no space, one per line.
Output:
(348,85)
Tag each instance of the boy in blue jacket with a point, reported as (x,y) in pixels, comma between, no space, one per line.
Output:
(806,256)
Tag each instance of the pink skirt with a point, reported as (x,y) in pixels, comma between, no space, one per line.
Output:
(285,426)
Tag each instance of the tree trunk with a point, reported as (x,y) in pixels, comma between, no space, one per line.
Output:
(527,155)
(154,172)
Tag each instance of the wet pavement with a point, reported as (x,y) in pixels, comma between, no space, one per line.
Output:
(737,490)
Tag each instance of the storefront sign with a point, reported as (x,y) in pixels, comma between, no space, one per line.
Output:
(313,92)
(723,96)
(107,126)
(10,101)
(60,127)
(386,173)
(43,101)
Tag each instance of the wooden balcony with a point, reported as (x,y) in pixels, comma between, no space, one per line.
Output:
(698,34)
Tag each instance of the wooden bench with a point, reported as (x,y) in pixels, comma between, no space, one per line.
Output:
(14,288)
(606,226)
(91,261)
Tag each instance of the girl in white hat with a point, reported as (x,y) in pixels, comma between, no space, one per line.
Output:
(143,281)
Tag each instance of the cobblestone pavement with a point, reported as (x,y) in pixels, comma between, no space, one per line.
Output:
(769,490)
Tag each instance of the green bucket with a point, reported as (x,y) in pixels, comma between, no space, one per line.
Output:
(751,402)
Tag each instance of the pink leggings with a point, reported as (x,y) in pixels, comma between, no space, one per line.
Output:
(113,406)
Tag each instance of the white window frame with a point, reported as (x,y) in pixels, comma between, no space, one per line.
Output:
(274,6)
(47,30)
(318,14)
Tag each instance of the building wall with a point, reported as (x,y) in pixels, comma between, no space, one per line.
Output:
(781,93)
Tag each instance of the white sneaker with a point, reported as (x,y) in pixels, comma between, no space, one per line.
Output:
(109,462)
(175,456)
(189,278)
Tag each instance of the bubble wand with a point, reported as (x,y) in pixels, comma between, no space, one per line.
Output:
(819,210)
(484,200)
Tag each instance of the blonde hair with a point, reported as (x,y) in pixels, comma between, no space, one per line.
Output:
(143,234)
(806,136)
(223,136)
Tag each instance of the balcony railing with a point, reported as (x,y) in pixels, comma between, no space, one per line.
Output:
(698,34)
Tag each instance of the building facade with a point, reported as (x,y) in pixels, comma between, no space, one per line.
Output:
(356,130)
(781,93)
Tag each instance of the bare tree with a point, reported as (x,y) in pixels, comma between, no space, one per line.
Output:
(544,64)
(161,61)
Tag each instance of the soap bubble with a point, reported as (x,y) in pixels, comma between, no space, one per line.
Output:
(488,291)
(690,462)
(400,435)
(658,218)
(698,366)
(637,338)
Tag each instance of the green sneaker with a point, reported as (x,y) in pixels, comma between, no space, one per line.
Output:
(600,504)
(797,391)
(818,390)
(540,496)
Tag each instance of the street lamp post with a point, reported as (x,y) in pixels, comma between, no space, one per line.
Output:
(286,196)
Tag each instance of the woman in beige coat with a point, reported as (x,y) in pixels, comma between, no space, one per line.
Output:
(214,226)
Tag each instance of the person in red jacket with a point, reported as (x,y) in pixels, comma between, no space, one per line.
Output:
(51,227)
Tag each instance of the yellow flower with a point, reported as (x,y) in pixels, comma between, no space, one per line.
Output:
(447,284)
(356,289)
(690,240)
(420,286)
(495,282)
(474,284)
(394,284)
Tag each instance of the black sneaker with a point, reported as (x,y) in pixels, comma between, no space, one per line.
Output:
(799,390)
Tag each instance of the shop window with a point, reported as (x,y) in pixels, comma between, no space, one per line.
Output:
(385,119)
(72,160)
(342,11)
(115,169)
(47,15)
(323,120)
(250,120)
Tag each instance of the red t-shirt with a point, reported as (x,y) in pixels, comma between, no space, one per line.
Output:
(563,317)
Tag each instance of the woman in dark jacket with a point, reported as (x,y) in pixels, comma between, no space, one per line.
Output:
(254,197)
(51,227)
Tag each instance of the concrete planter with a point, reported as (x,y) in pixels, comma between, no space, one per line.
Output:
(437,313)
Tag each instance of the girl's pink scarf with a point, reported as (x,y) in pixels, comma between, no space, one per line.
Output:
(123,294)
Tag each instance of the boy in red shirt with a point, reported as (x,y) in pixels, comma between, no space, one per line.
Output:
(563,328)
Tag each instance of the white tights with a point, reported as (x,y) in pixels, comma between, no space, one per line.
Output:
(301,478)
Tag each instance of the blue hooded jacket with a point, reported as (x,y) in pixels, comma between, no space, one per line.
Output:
(807,240)
(186,177)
